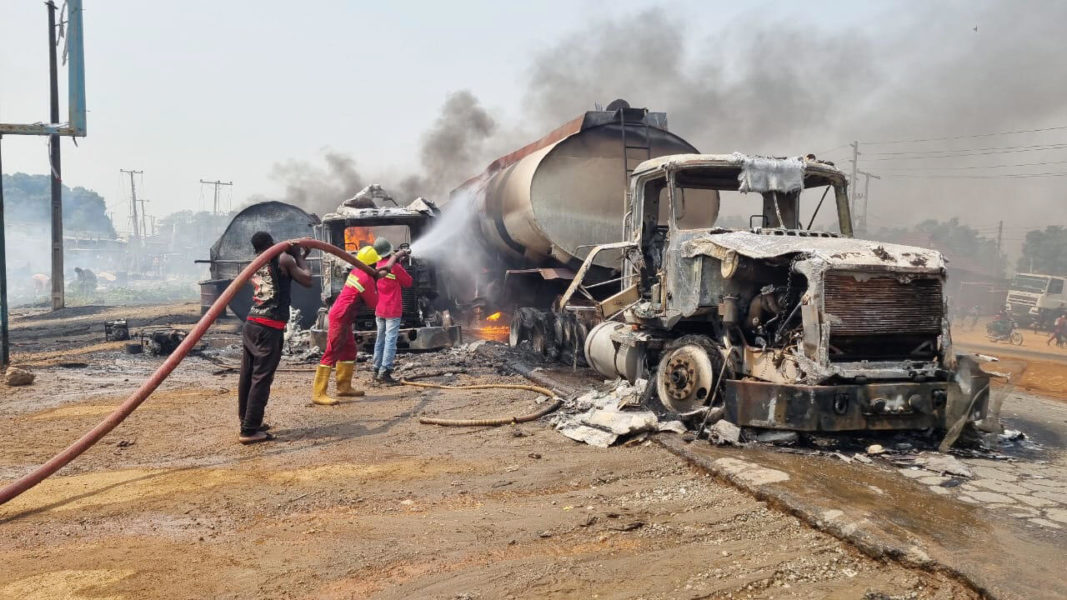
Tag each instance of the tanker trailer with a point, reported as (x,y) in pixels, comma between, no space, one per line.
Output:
(538,210)
(232,252)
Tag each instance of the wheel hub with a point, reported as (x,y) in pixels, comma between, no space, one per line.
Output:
(685,377)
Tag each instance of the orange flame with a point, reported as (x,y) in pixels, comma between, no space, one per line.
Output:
(357,237)
(493,317)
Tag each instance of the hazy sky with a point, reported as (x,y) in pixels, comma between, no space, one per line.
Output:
(198,89)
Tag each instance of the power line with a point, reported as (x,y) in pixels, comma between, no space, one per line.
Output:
(965,137)
(1033,164)
(1000,176)
(991,149)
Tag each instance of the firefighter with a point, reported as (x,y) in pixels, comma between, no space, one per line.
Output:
(389,311)
(341,343)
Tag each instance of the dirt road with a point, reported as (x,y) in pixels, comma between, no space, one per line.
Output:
(360,501)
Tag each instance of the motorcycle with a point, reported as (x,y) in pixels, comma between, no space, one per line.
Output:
(1004,331)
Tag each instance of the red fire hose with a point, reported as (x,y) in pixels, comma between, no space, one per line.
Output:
(120,413)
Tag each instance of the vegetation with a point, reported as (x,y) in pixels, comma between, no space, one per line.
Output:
(1044,251)
(27,199)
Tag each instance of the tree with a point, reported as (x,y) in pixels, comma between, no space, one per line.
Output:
(1045,251)
(961,245)
(27,200)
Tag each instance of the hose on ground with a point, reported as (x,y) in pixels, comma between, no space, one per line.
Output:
(135,399)
(552,407)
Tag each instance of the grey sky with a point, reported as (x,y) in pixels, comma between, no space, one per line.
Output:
(198,89)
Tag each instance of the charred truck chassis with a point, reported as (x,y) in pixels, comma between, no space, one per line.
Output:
(426,323)
(776,327)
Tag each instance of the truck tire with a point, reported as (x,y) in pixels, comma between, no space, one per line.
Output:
(687,374)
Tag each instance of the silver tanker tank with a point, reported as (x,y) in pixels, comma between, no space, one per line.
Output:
(546,203)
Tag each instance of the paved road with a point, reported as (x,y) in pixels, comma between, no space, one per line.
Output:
(1004,527)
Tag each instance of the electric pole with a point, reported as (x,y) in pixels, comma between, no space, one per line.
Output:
(852,180)
(133,203)
(58,289)
(144,219)
(215,205)
(1000,233)
(867,177)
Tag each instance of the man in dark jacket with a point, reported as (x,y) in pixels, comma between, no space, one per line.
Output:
(263,333)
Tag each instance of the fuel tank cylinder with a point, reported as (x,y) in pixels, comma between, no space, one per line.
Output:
(544,204)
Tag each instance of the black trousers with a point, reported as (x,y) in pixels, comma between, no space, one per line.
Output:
(262,353)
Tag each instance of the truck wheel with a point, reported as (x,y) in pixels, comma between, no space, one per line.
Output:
(686,375)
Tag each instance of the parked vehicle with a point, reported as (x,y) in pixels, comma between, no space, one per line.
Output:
(1036,299)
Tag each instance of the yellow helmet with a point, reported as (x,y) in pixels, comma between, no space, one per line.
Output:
(368,255)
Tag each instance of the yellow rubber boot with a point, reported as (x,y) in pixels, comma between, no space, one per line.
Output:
(318,389)
(345,369)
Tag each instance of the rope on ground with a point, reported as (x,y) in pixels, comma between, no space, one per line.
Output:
(556,403)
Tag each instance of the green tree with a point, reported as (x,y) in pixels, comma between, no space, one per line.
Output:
(1045,251)
(27,199)
(962,245)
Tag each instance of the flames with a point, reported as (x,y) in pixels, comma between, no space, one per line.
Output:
(494,327)
(357,237)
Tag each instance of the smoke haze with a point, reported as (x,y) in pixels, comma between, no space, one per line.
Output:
(768,85)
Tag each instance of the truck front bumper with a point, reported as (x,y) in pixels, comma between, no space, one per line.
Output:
(856,407)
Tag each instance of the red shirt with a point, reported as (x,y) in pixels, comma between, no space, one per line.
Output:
(390,303)
(358,286)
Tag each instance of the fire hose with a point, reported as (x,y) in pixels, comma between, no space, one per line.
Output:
(135,399)
(553,406)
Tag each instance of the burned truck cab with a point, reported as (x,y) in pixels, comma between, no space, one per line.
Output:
(775,323)
(426,323)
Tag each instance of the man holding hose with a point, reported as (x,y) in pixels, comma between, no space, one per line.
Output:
(264,331)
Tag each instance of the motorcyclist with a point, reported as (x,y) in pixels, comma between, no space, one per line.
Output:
(1002,323)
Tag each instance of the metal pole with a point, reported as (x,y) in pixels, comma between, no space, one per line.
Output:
(852,180)
(58,299)
(5,355)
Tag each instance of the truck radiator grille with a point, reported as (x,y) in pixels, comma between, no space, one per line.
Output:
(874,318)
(1022,300)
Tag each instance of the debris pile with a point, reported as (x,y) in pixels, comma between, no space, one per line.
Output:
(299,343)
(162,342)
(603,417)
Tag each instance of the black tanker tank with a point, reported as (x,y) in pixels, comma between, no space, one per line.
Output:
(232,252)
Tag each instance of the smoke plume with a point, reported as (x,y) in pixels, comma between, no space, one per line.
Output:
(775,86)
(314,188)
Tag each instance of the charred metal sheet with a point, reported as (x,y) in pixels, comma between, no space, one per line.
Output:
(883,406)
(761,174)
(834,252)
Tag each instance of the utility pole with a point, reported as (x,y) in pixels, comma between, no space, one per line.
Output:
(144,219)
(58,290)
(867,177)
(4,345)
(215,209)
(852,180)
(133,203)
(1000,233)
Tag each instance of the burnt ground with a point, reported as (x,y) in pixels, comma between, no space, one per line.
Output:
(361,501)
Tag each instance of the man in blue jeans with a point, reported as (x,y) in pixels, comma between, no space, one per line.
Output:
(389,311)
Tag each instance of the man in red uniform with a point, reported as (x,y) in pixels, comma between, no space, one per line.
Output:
(389,311)
(341,343)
